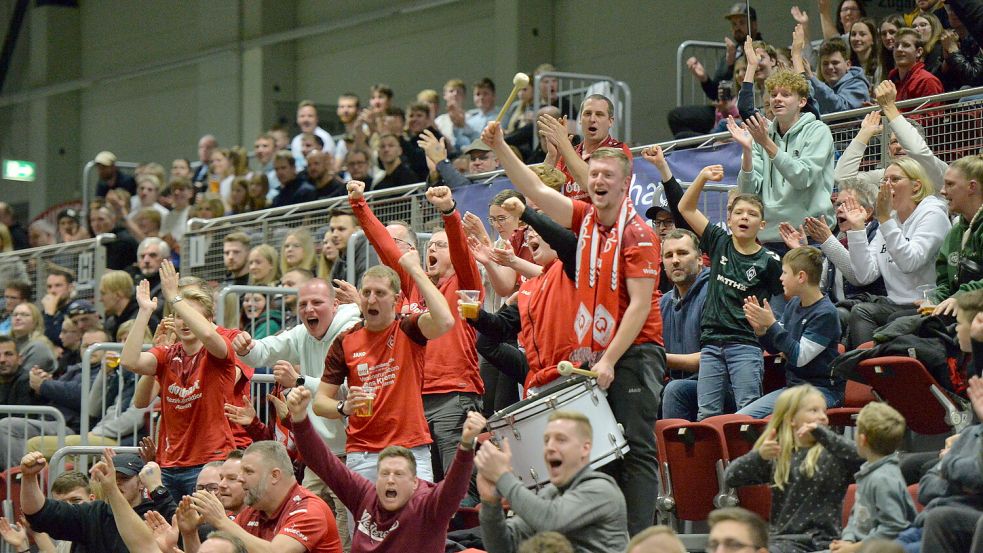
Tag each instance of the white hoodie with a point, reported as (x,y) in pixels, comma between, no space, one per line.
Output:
(903,253)
(298,347)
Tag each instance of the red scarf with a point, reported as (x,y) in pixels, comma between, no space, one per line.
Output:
(598,275)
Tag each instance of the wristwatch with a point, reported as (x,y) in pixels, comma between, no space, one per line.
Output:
(341,408)
(300,382)
(176,299)
(159,494)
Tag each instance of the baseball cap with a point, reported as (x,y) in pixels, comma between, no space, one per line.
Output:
(654,210)
(80,307)
(740,9)
(69,213)
(476,146)
(128,464)
(105,158)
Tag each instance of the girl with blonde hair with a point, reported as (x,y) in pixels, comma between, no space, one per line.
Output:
(808,468)
(297,251)
(27,330)
(263,267)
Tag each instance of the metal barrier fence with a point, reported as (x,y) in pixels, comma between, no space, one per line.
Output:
(572,88)
(88,184)
(371,257)
(20,417)
(82,454)
(85,258)
(230,314)
(688,89)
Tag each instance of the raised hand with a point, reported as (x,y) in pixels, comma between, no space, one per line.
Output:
(345,292)
(279,404)
(144,301)
(480,251)
(855,214)
(410,260)
(817,229)
(793,237)
(242,416)
(32,464)
(168,279)
(514,207)
(441,198)
(503,256)
(752,57)
(356,190)
(696,68)
(553,129)
(208,506)
(242,343)
(712,173)
(164,335)
(473,425)
(148,449)
(151,476)
(297,402)
(757,125)
(492,135)
(433,147)
(886,94)
(883,208)
(731,47)
(15,535)
(473,227)
(165,535)
(186,516)
(800,17)
(741,135)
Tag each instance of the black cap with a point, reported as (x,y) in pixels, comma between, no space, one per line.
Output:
(69,213)
(80,307)
(128,464)
(741,9)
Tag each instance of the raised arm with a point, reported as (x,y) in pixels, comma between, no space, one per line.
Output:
(688,204)
(133,358)
(439,319)
(137,536)
(377,235)
(202,328)
(555,130)
(553,203)
(463,262)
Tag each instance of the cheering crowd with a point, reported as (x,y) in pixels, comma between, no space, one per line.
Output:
(374,434)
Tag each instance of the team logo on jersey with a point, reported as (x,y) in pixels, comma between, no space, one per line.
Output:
(362,369)
(391,342)
(723,260)
(604,325)
(751,273)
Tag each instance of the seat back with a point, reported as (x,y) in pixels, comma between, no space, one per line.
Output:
(739,437)
(913,492)
(908,387)
(774,374)
(694,452)
(848,500)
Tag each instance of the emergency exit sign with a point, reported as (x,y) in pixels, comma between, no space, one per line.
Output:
(15,169)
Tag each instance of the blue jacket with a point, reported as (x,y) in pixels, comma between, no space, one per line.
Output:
(681,317)
(850,92)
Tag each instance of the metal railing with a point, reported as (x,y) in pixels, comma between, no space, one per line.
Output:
(20,415)
(371,257)
(82,453)
(573,88)
(85,258)
(230,297)
(688,89)
(88,184)
(108,405)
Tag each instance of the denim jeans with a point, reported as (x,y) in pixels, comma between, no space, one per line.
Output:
(679,400)
(366,463)
(737,367)
(765,405)
(180,481)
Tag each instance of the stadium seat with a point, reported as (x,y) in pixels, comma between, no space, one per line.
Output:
(855,397)
(851,497)
(691,452)
(905,384)
(774,375)
(739,433)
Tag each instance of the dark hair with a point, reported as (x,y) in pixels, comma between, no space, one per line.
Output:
(394,111)
(836,16)
(351,95)
(71,480)
(677,233)
(7,339)
(484,82)
(755,524)
(235,454)
(61,271)
(383,89)
(23,288)
(500,198)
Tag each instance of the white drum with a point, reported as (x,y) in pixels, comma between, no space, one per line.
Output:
(524,424)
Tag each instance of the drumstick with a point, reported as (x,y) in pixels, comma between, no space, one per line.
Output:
(520,81)
(566,368)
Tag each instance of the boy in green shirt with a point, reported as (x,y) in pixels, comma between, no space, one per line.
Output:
(730,357)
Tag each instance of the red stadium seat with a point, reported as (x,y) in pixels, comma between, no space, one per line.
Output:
(693,454)
(905,384)
(851,497)
(855,397)
(739,433)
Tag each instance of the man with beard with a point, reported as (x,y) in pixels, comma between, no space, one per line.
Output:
(235,253)
(321,173)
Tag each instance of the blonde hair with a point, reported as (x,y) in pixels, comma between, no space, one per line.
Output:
(551,176)
(883,426)
(270,255)
(118,281)
(124,329)
(914,171)
(971,167)
(789,80)
(202,298)
(384,273)
(787,405)
(616,154)
(306,244)
(583,424)
(6,240)
(807,259)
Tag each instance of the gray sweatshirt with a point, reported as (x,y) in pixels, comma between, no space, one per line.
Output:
(590,512)
(883,507)
(957,479)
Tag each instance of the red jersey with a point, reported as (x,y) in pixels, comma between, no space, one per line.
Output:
(641,257)
(193,392)
(547,305)
(302,516)
(241,388)
(571,189)
(392,361)
(521,249)
(452,359)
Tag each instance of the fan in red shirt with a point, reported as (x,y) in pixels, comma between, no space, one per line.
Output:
(618,326)
(596,119)
(281,515)
(195,376)
(909,74)
(384,352)
(452,384)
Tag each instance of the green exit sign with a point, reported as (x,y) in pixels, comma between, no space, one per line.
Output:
(15,169)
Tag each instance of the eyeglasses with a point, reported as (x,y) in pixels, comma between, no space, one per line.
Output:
(500,220)
(404,243)
(439,244)
(663,223)
(212,488)
(893,180)
(849,9)
(730,546)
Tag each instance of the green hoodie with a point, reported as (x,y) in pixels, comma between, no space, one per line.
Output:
(798,182)
(947,280)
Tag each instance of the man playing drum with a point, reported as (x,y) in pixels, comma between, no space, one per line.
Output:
(617,324)
(583,504)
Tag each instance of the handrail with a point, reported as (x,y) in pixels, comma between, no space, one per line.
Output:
(41,411)
(87,381)
(82,465)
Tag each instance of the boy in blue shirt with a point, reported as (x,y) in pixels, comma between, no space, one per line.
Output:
(807,335)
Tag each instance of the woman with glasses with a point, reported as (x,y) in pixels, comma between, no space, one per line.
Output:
(912,225)
(839,23)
